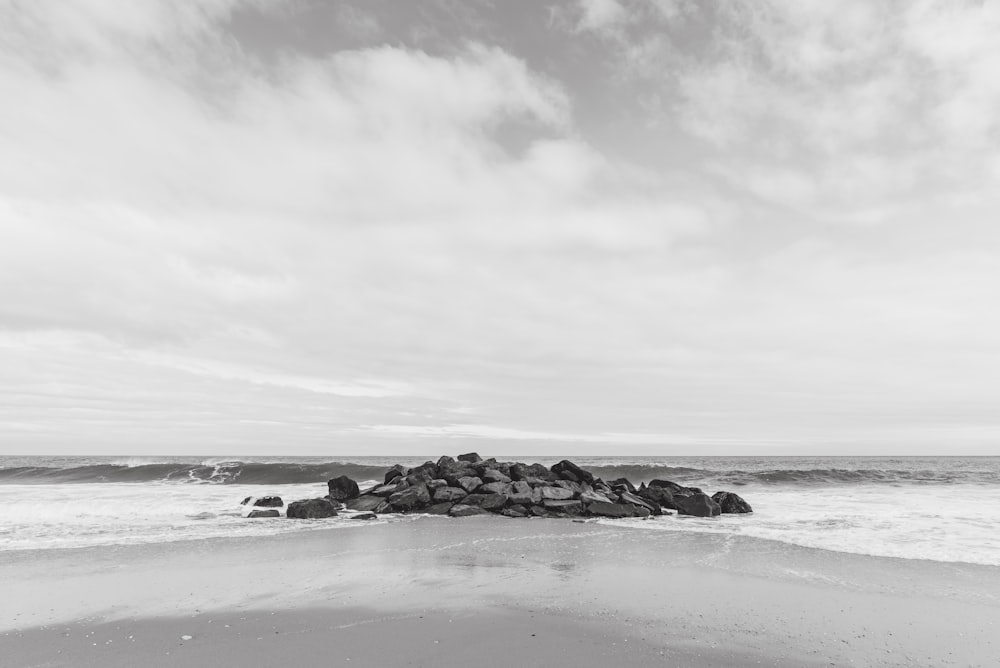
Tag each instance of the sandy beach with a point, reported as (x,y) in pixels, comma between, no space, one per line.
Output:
(489,590)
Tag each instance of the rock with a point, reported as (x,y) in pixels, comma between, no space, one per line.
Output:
(437,483)
(411,498)
(264,513)
(527,471)
(391,488)
(470,484)
(594,497)
(537,511)
(623,482)
(245,501)
(574,487)
(363,516)
(312,509)
(730,502)
(555,493)
(627,497)
(445,461)
(699,505)
(493,502)
(449,494)
(343,488)
(267,501)
(658,495)
(366,503)
(617,510)
(439,508)
(462,510)
(520,493)
(569,507)
(395,472)
(493,475)
(494,488)
(383,507)
(516,510)
(567,470)
(470,457)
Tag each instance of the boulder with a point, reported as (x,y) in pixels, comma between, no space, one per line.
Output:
(312,509)
(449,494)
(444,461)
(492,502)
(343,488)
(617,510)
(574,487)
(470,458)
(246,501)
(395,472)
(437,483)
(411,498)
(494,488)
(462,510)
(528,471)
(439,508)
(555,493)
(537,511)
(271,512)
(594,497)
(730,502)
(623,482)
(699,505)
(569,507)
(391,488)
(366,503)
(520,493)
(658,495)
(268,502)
(493,475)
(567,470)
(627,497)
(470,484)
(363,516)
(516,510)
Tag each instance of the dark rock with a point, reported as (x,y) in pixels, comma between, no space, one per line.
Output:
(470,457)
(617,510)
(411,498)
(658,495)
(395,472)
(264,513)
(343,488)
(494,488)
(699,505)
(627,497)
(493,502)
(470,484)
(520,493)
(363,516)
(493,475)
(366,503)
(268,502)
(567,470)
(516,510)
(393,487)
(526,471)
(445,461)
(383,507)
(312,509)
(574,487)
(568,507)
(730,502)
(449,494)
(462,510)
(594,497)
(245,501)
(437,483)
(623,482)
(556,493)
(439,508)
(538,511)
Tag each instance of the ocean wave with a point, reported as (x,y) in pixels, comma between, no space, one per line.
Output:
(219,473)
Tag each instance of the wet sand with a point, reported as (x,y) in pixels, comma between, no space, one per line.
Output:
(486,591)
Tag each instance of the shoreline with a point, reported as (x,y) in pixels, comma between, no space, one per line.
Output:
(747,597)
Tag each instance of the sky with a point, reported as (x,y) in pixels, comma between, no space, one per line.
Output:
(656,227)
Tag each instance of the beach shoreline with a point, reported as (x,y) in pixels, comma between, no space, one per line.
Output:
(695,595)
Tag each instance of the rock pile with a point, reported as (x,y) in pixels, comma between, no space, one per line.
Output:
(469,485)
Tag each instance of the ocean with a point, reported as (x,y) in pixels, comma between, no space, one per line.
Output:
(936,508)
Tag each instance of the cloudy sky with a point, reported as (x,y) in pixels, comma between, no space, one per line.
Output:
(519,226)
